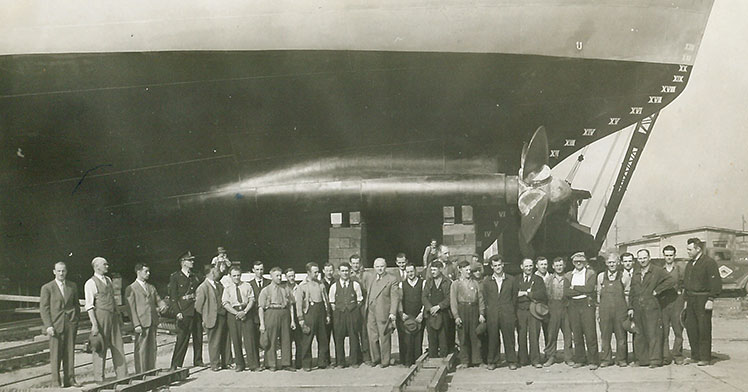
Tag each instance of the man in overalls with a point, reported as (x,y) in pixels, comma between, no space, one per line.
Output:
(613,308)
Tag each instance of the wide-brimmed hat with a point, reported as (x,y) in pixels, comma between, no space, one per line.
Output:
(306,329)
(539,310)
(630,326)
(96,343)
(410,325)
(481,328)
(435,321)
(264,341)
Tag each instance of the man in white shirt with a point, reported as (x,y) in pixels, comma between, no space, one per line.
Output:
(105,320)
(345,296)
(238,299)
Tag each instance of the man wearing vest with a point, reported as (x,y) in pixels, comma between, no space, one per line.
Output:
(701,284)
(613,311)
(238,299)
(672,305)
(60,312)
(648,284)
(345,296)
(312,311)
(500,294)
(182,286)
(558,306)
(209,303)
(144,303)
(275,307)
(580,288)
(296,335)
(435,298)
(258,283)
(411,308)
(105,320)
(381,308)
(530,288)
(359,275)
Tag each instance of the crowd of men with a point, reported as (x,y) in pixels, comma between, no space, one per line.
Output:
(461,308)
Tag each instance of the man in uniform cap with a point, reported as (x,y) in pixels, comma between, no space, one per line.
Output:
(702,284)
(581,283)
(182,286)
(105,320)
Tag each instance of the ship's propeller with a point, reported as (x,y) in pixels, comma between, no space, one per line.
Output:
(539,192)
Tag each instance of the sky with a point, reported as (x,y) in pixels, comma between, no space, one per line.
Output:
(693,169)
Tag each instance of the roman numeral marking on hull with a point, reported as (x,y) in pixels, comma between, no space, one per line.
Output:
(614,120)
(690,47)
(636,110)
(502,214)
(677,78)
(570,143)
(683,68)
(589,132)
(554,153)
(668,89)
(655,99)
(686,57)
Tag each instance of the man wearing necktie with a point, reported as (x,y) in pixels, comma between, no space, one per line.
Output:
(345,295)
(580,290)
(144,303)
(258,283)
(60,312)
(182,286)
(401,261)
(530,288)
(105,320)
(381,308)
(209,303)
(238,299)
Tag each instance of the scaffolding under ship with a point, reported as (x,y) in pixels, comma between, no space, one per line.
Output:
(137,131)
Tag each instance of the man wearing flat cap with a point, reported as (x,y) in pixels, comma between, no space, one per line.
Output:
(580,289)
(182,287)
(435,298)
(105,320)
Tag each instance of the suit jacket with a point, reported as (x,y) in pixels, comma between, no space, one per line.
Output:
(143,304)
(702,277)
(384,296)
(644,293)
(256,289)
(207,303)
(502,303)
(179,287)
(54,309)
(537,294)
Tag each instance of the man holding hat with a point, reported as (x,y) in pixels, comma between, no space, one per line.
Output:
(312,310)
(500,294)
(581,283)
(238,299)
(275,308)
(530,289)
(613,309)
(435,298)
(106,322)
(468,308)
(411,312)
(60,312)
(345,296)
(647,285)
(381,307)
(702,283)
(182,286)
(209,303)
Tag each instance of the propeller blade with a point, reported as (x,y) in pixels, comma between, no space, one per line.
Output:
(536,155)
(532,205)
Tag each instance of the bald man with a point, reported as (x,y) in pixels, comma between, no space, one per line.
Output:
(381,308)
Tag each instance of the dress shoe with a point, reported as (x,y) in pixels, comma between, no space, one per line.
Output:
(666,362)
(512,366)
(238,369)
(577,365)
(307,369)
(703,363)
(384,365)
(569,363)
(605,364)
(689,361)
(594,366)
(678,361)
(491,366)
(355,366)
(462,366)
(199,363)
(537,365)
(654,365)
(215,369)
(622,364)
(289,369)
(550,362)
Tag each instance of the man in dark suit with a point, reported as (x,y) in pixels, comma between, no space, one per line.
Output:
(208,302)
(360,275)
(144,303)
(182,286)
(701,285)
(60,312)
(258,283)
(647,286)
(411,307)
(435,298)
(328,280)
(500,295)
(530,288)
(381,308)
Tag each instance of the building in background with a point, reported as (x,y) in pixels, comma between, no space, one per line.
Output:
(715,237)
